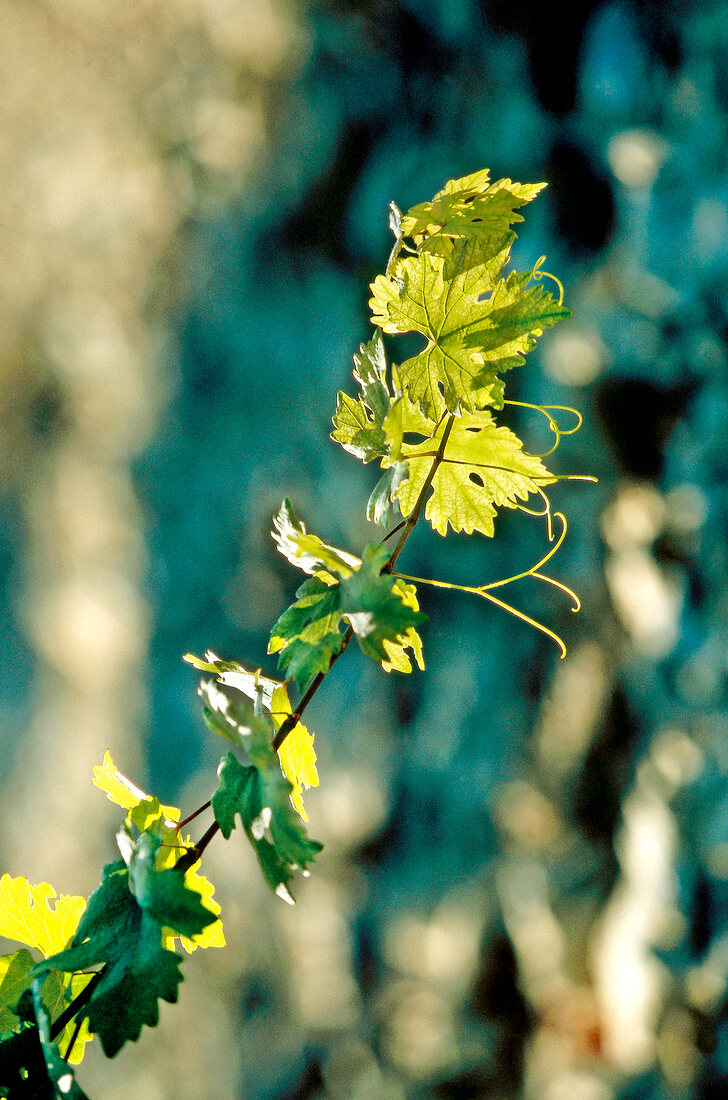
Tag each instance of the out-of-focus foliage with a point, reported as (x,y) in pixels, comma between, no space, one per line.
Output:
(570,943)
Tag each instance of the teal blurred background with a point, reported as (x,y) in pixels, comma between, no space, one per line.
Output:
(524,889)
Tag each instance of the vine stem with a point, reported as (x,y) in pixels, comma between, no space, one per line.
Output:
(78,1003)
(193,854)
(415,513)
(192,816)
(292,721)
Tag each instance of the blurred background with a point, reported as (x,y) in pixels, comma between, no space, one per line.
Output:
(524,889)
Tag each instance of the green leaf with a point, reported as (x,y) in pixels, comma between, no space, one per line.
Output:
(359,423)
(384,493)
(261,800)
(307,635)
(164,894)
(14,978)
(485,467)
(147,813)
(212,935)
(237,722)
(232,793)
(138,971)
(468,207)
(31,1066)
(307,552)
(476,326)
(374,605)
(296,754)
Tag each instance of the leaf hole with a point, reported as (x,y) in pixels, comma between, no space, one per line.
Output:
(476,480)
(412,439)
(441,388)
(473,431)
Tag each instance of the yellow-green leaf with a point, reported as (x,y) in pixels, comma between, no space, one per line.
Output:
(296,754)
(468,207)
(484,467)
(35,916)
(476,325)
(13,980)
(398,660)
(121,790)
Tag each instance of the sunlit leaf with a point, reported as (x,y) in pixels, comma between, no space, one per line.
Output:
(121,790)
(468,207)
(484,467)
(237,723)
(358,423)
(296,755)
(308,552)
(33,915)
(398,659)
(476,325)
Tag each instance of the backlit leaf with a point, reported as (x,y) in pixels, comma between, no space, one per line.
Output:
(296,755)
(33,915)
(485,467)
(121,790)
(307,552)
(237,723)
(398,659)
(475,324)
(358,423)
(468,207)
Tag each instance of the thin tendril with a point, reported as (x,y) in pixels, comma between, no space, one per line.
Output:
(526,618)
(546,410)
(537,275)
(534,568)
(485,590)
(564,588)
(546,512)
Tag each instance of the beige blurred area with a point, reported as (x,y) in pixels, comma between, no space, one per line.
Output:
(118,122)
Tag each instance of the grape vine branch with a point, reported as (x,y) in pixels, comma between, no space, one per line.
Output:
(100,966)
